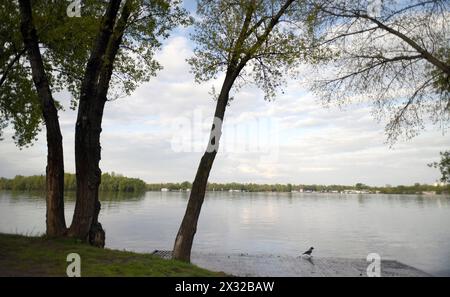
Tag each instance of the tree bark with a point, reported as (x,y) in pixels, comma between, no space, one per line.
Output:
(55,221)
(87,140)
(188,228)
(85,224)
(88,127)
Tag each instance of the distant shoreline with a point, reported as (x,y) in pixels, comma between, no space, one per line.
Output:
(297,192)
(236,192)
(117,183)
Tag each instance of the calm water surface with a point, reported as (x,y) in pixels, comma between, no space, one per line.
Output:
(412,229)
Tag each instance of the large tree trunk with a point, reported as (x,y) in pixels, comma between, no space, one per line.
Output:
(85,223)
(95,86)
(55,222)
(87,157)
(185,236)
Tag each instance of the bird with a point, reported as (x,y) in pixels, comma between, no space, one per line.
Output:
(308,252)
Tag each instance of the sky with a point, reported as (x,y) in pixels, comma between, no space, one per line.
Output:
(159,134)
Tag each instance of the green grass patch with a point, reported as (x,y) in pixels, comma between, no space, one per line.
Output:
(39,256)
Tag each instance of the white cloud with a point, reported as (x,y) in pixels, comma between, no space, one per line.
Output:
(314,144)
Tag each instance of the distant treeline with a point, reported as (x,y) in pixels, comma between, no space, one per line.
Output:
(110,182)
(251,187)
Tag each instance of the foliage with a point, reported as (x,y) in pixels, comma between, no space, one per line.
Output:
(64,62)
(66,43)
(110,182)
(232,33)
(252,187)
(444,166)
(396,59)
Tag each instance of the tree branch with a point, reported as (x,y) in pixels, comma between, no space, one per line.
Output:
(10,65)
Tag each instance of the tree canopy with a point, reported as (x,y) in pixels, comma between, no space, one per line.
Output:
(444,166)
(111,182)
(66,43)
(233,34)
(395,56)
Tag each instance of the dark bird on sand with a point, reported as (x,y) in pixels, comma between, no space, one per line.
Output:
(308,252)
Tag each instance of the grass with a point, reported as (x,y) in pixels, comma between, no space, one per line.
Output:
(39,256)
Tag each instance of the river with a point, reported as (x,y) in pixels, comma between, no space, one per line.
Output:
(413,229)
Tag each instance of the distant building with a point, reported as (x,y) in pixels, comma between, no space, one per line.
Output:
(164,190)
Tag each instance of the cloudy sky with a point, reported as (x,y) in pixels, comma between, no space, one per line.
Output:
(160,131)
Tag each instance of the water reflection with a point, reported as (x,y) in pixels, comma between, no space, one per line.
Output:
(395,226)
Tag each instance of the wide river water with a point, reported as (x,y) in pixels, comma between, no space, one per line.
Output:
(412,229)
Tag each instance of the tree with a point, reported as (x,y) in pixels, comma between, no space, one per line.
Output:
(395,56)
(65,66)
(360,186)
(55,220)
(63,62)
(21,109)
(258,40)
(26,85)
(129,35)
(444,166)
(289,188)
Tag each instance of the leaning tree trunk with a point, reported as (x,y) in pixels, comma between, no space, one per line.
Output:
(55,221)
(185,236)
